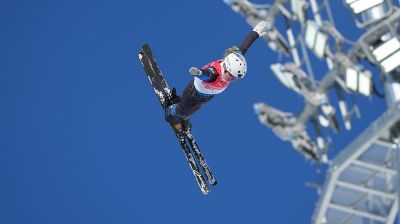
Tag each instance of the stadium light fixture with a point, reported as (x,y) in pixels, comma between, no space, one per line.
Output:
(367,12)
(351,79)
(359,81)
(323,121)
(315,39)
(298,7)
(284,76)
(365,83)
(359,6)
(311,32)
(387,54)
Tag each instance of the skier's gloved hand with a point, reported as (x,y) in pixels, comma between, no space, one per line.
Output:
(260,28)
(195,71)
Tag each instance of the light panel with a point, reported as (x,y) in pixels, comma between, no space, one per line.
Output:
(320,44)
(315,39)
(284,77)
(387,54)
(311,32)
(364,83)
(386,49)
(297,8)
(323,121)
(391,62)
(396,91)
(359,81)
(351,79)
(362,5)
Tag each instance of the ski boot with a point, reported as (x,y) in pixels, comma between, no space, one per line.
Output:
(170,113)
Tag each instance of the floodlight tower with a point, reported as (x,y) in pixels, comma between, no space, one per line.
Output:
(363,181)
(292,74)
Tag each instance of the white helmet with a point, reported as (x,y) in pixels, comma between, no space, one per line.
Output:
(236,64)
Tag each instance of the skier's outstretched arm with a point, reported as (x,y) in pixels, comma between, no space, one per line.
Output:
(257,32)
(208,74)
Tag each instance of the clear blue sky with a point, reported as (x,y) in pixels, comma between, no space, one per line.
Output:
(83,138)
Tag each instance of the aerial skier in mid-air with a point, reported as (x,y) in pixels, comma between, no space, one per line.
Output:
(212,79)
(208,81)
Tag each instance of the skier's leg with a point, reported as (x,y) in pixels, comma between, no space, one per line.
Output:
(190,102)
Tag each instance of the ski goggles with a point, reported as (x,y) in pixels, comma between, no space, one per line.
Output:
(229,74)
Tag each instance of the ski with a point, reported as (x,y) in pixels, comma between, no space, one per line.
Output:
(166,97)
(188,127)
(153,80)
(158,76)
(192,163)
(192,141)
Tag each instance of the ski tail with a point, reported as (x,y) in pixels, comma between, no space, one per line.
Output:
(157,73)
(193,165)
(154,79)
(193,144)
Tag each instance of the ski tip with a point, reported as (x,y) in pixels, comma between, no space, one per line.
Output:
(140,54)
(213,182)
(205,191)
(146,47)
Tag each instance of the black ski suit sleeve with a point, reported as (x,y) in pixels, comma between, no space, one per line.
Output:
(209,74)
(248,41)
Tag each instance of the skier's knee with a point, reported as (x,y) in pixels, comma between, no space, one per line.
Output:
(172,116)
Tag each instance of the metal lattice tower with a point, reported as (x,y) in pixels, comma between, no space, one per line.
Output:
(360,186)
(363,182)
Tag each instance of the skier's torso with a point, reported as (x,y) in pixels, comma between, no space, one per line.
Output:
(215,87)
